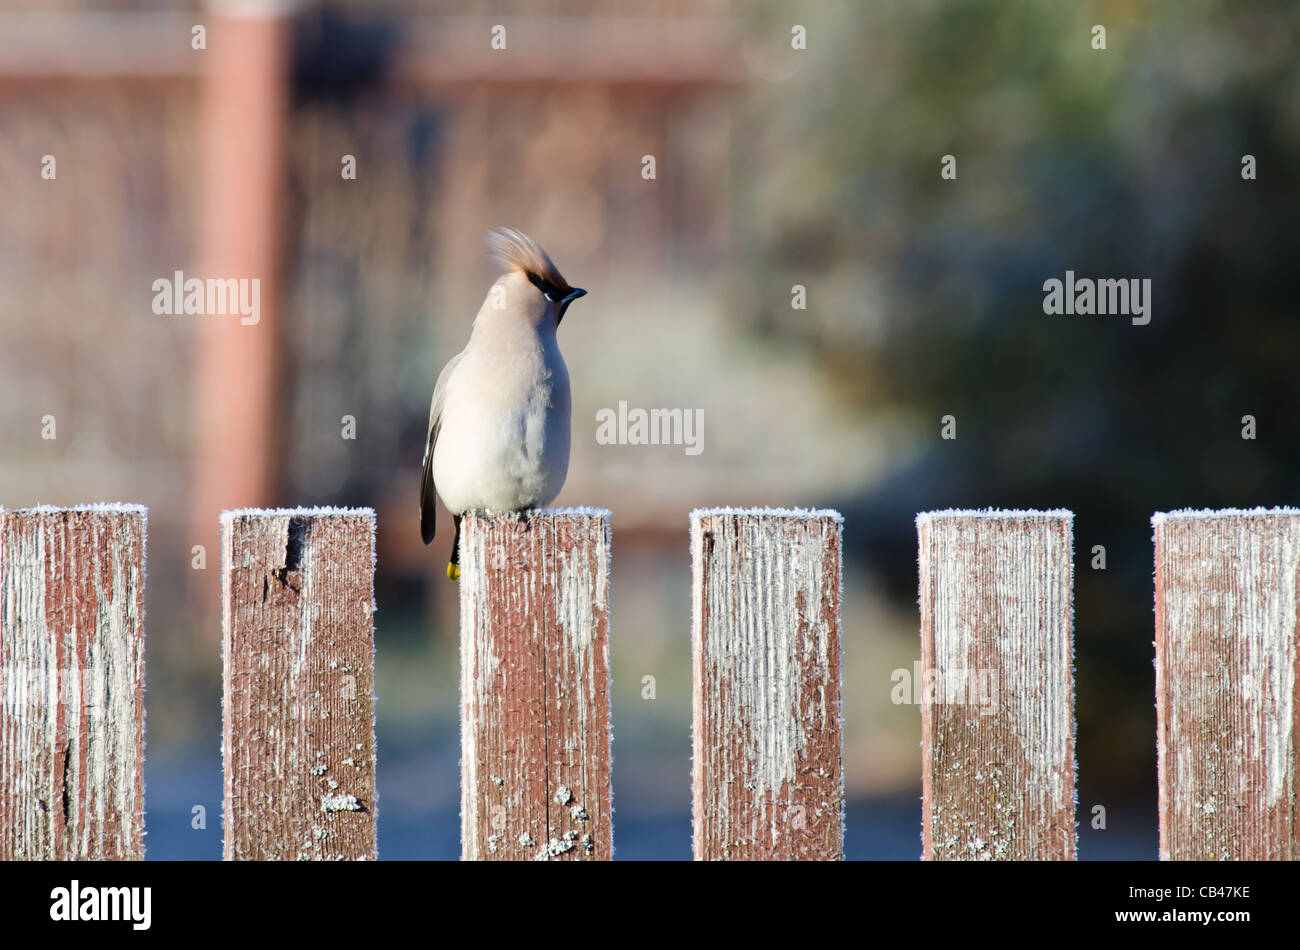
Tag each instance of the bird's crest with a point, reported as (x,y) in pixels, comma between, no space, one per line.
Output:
(517,250)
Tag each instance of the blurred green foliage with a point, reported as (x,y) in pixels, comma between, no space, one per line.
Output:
(925,295)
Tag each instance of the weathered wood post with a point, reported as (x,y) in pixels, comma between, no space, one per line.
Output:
(534,687)
(72,682)
(1227,690)
(767,765)
(997,681)
(297,604)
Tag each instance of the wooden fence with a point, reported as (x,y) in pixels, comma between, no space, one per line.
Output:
(996,609)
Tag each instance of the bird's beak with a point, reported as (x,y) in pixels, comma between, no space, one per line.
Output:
(567,299)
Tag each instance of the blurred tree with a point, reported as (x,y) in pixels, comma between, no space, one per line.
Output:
(925,295)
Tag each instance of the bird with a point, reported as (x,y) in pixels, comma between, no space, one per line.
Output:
(499,421)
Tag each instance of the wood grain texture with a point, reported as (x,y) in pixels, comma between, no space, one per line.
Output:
(72,682)
(997,701)
(1227,704)
(767,766)
(299,709)
(534,690)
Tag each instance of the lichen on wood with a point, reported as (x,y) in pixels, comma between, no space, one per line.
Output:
(997,700)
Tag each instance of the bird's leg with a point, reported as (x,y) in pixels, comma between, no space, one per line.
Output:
(453,567)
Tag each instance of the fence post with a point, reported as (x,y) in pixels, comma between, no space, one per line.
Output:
(298,658)
(534,688)
(997,685)
(767,765)
(1227,699)
(72,676)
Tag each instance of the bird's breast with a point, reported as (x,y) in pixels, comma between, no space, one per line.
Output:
(504,442)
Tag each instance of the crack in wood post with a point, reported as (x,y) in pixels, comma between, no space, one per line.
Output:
(298,712)
(72,659)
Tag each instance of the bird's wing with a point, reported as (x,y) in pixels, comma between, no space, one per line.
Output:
(428,493)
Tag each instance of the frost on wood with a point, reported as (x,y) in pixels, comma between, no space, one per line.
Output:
(997,690)
(1226,686)
(72,683)
(767,774)
(534,692)
(298,712)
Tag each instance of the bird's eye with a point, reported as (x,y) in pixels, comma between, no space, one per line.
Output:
(548,291)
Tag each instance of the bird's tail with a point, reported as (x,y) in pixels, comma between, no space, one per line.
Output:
(453,567)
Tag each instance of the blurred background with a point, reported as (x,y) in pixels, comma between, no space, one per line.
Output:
(222,152)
